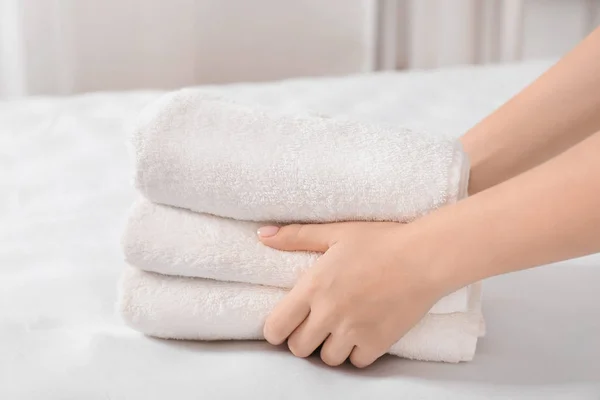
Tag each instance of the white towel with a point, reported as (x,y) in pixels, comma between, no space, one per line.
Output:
(198,309)
(174,241)
(214,156)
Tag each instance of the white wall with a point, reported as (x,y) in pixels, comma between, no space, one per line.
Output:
(68,46)
(64,46)
(552,27)
(435,33)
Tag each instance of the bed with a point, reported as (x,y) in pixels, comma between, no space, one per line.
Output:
(66,187)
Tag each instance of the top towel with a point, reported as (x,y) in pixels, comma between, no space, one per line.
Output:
(215,156)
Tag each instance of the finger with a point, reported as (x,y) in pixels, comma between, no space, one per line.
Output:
(315,237)
(336,350)
(361,357)
(287,315)
(307,337)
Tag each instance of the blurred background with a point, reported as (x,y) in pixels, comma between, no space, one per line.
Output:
(61,47)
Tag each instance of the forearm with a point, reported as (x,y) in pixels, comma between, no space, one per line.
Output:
(548,214)
(558,110)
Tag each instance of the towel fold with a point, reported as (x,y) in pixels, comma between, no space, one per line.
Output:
(213,156)
(198,309)
(174,241)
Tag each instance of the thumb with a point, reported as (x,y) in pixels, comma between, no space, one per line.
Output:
(312,237)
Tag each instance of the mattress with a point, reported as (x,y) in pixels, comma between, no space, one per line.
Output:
(65,179)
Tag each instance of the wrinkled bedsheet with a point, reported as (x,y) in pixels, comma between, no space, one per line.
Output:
(65,180)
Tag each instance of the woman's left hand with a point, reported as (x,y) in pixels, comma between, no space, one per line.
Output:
(374,282)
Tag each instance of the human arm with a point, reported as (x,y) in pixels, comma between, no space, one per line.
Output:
(376,280)
(556,111)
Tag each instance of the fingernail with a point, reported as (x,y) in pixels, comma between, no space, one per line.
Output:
(267,231)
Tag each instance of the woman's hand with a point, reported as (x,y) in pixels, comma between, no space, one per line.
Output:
(370,287)
(376,280)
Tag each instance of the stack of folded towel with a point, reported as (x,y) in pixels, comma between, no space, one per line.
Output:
(212,171)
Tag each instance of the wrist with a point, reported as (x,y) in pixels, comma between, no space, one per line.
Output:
(443,243)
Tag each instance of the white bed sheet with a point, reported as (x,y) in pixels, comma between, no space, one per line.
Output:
(65,190)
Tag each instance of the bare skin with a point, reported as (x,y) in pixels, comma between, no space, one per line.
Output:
(557,111)
(536,186)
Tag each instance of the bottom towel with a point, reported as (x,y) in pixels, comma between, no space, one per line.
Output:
(173,307)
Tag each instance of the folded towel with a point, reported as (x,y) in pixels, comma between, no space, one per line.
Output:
(218,157)
(174,241)
(198,309)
